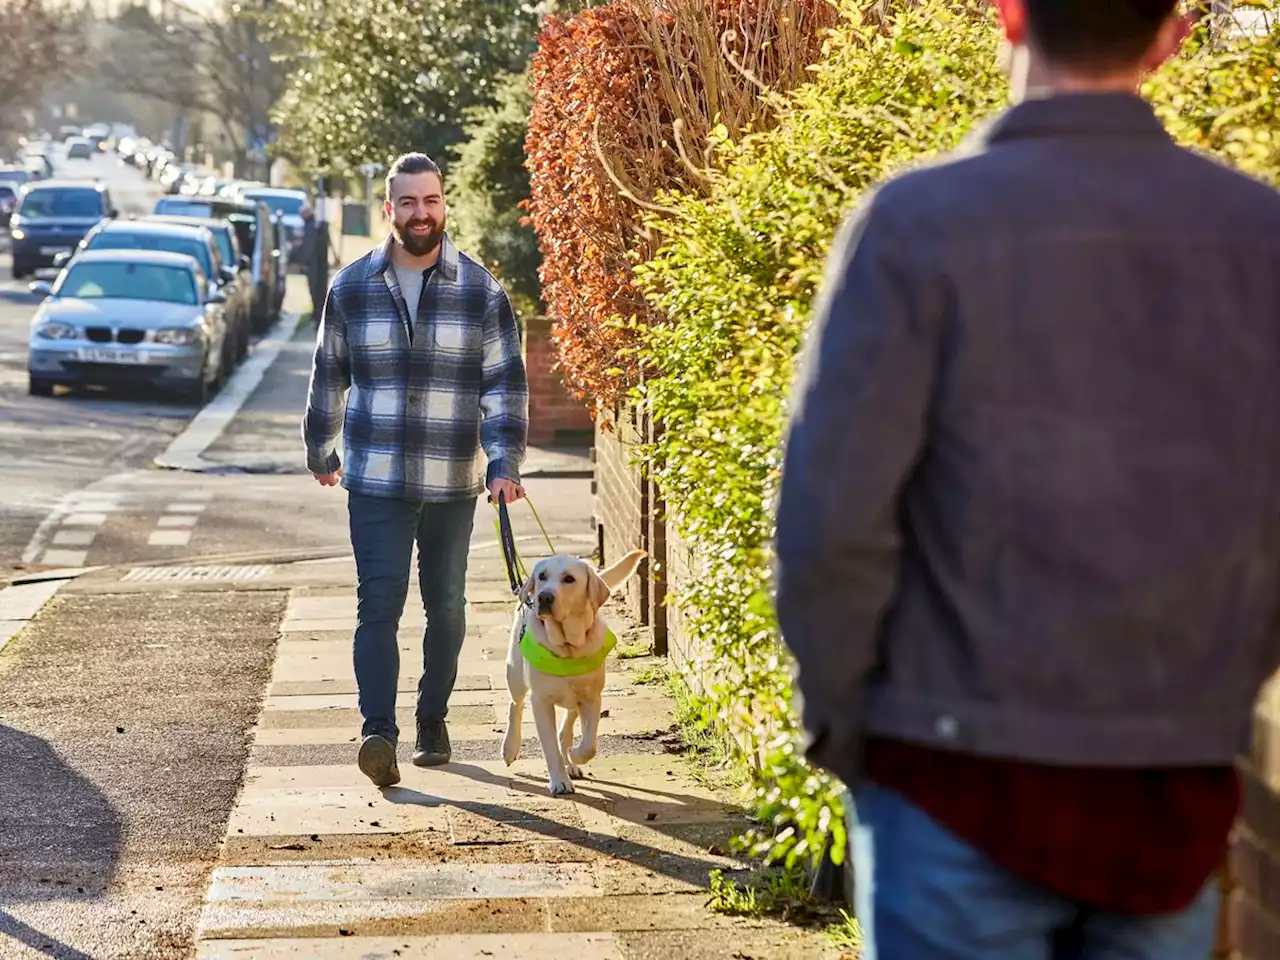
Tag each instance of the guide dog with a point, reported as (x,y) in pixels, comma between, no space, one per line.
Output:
(559,643)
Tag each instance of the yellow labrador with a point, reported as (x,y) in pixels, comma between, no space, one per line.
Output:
(559,643)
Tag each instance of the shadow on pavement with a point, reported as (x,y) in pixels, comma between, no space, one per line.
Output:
(60,837)
(661,813)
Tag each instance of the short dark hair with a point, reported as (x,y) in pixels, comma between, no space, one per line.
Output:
(1096,35)
(412,163)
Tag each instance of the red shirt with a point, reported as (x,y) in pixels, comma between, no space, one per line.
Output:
(1120,839)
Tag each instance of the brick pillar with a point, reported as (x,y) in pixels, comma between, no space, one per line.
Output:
(1251,904)
(554,416)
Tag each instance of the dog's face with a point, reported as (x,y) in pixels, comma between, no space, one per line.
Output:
(565,588)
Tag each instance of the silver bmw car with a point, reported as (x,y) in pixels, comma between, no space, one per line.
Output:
(116,317)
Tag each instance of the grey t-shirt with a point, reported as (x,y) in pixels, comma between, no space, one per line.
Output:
(410,281)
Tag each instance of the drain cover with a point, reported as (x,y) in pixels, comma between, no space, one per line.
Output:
(194,574)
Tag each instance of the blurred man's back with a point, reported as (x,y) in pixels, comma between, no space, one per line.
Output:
(1029,550)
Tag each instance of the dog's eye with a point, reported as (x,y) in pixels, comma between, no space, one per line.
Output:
(542,575)
(568,578)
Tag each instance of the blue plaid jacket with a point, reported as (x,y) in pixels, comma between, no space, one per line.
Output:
(415,401)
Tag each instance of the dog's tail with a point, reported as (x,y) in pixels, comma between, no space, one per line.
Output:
(620,571)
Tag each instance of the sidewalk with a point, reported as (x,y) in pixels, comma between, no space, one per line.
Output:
(472,859)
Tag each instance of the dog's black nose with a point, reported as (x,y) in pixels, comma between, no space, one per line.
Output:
(545,600)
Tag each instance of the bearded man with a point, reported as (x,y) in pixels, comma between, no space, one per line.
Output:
(418,364)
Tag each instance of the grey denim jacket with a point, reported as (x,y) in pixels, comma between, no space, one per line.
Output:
(1030,505)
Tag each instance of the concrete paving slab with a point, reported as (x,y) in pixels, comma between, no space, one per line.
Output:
(348,701)
(289,737)
(347,685)
(479,713)
(322,881)
(23,601)
(463,946)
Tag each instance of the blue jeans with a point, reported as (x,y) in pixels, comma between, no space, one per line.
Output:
(924,894)
(383,531)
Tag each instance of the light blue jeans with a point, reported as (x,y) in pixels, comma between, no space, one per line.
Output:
(924,894)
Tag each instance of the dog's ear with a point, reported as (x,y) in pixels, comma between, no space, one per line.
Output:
(526,590)
(597,590)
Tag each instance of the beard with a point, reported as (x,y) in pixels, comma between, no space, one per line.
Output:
(418,244)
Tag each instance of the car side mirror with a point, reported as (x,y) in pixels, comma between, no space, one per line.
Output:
(41,288)
(60,259)
(216,296)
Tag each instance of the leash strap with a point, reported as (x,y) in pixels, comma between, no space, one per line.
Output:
(516,573)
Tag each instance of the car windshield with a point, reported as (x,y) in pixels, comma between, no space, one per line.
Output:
(182,207)
(283,203)
(71,202)
(170,243)
(128,281)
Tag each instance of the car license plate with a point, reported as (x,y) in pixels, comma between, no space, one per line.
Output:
(53,251)
(94,355)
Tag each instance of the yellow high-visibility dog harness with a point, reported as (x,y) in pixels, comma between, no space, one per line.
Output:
(543,660)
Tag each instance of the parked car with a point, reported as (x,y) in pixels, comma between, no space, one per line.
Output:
(8,200)
(129,317)
(252,223)
(239,295)
(284,256)
(193,241)
(287,204)
(79,148)
(52,217)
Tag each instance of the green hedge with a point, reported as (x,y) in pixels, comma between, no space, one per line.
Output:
(735,279)
(736,276)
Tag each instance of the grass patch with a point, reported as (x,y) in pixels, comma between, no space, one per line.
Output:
(633,651)
(845,933)
(658,673)
(714,761)
(783,894)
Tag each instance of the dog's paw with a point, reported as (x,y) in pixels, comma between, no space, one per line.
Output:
(579,756)
(575,771)
(560,788)
(510,748)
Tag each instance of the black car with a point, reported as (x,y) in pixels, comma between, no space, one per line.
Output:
(52,217)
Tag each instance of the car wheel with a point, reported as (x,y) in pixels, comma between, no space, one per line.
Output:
(197,392)
(39,388)
(242,350)
(18,272)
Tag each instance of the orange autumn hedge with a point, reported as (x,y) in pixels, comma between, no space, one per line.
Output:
(628,98)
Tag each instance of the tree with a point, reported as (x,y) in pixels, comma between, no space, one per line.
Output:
(40,44)
(374,78)
(213,60)
(488,184)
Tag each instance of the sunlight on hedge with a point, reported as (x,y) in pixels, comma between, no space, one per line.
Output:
(736,277)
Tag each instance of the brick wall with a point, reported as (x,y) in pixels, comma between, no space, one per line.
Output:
(554,416)
(1251,915)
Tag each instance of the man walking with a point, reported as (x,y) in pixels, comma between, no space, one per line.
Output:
(1028,538)
(313,254)
(425,341)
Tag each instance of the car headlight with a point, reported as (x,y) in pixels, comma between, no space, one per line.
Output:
(56,330)
(177,336)
(17,234)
